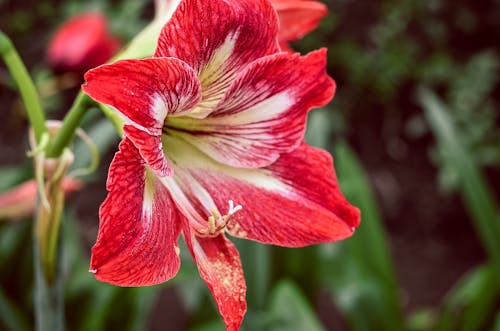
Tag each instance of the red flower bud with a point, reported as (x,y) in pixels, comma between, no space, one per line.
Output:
(20,201)
(81,43)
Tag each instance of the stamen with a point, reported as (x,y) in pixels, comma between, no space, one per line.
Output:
(217,222)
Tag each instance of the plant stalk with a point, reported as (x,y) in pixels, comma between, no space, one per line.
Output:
(25,85)
(48,293)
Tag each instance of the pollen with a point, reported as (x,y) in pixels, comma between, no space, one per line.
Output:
(217,222)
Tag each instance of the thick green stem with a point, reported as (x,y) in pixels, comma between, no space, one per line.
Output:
(72,121)
(25,84)
(69,125)
(49,294)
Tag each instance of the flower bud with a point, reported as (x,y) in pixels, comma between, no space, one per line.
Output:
(20,201)
(81,43)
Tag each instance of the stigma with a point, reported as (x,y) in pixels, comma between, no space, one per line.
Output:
(217,222)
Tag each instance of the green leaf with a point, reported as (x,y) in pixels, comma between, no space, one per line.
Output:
(12,176)
(256,259)
(367,285)
(96,312)
(475,190)
(369,243)
(471,303)
(290,310)
(10,316)
(497,322)
(142,300)
(215,325)
(361,298)
(12,236)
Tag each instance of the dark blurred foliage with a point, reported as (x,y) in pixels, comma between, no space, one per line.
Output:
(414,129)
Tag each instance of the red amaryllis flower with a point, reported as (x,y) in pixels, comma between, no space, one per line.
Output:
(297,18)
(81,43)
(213,144)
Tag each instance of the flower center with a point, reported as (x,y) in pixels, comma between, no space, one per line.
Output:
(217,222)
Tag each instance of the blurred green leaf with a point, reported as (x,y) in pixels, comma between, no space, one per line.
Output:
(11,176)
(96,313)
(10,316)
(421,320)
(216,325)
(474,188)
(482,69)
(471,303)
(12,236)
(497,322)
(141,300)
(290,310)
(367,289)
(361,298)
(369,243)
(256,259)
(473,113)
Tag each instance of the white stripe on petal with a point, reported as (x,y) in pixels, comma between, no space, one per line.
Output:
(149,192)
(187,156)
(266,110)
(216,77)
(158,106)
(219,58)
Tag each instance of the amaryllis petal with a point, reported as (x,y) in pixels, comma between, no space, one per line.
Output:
(145,92)
(298,17)
(294,202)
(217,38)
(151,149)
(219,264)
(164,9)
(213,145)
(263,114)
(139,226)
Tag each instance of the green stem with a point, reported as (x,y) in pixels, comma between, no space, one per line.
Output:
(26,86)
(68,128)
(72,121)
(49,294)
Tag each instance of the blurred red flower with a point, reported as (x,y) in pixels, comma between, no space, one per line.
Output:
(82,43)
(20,201)
(297,18)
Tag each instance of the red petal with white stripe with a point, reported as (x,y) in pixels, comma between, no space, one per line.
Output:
(217,39)
(151,149)
(263,114)
(294,202)
(144,92)
(139,226)
(219,265)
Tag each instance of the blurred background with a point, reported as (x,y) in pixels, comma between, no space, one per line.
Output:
(414,131)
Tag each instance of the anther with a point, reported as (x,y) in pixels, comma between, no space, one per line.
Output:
(218,222)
